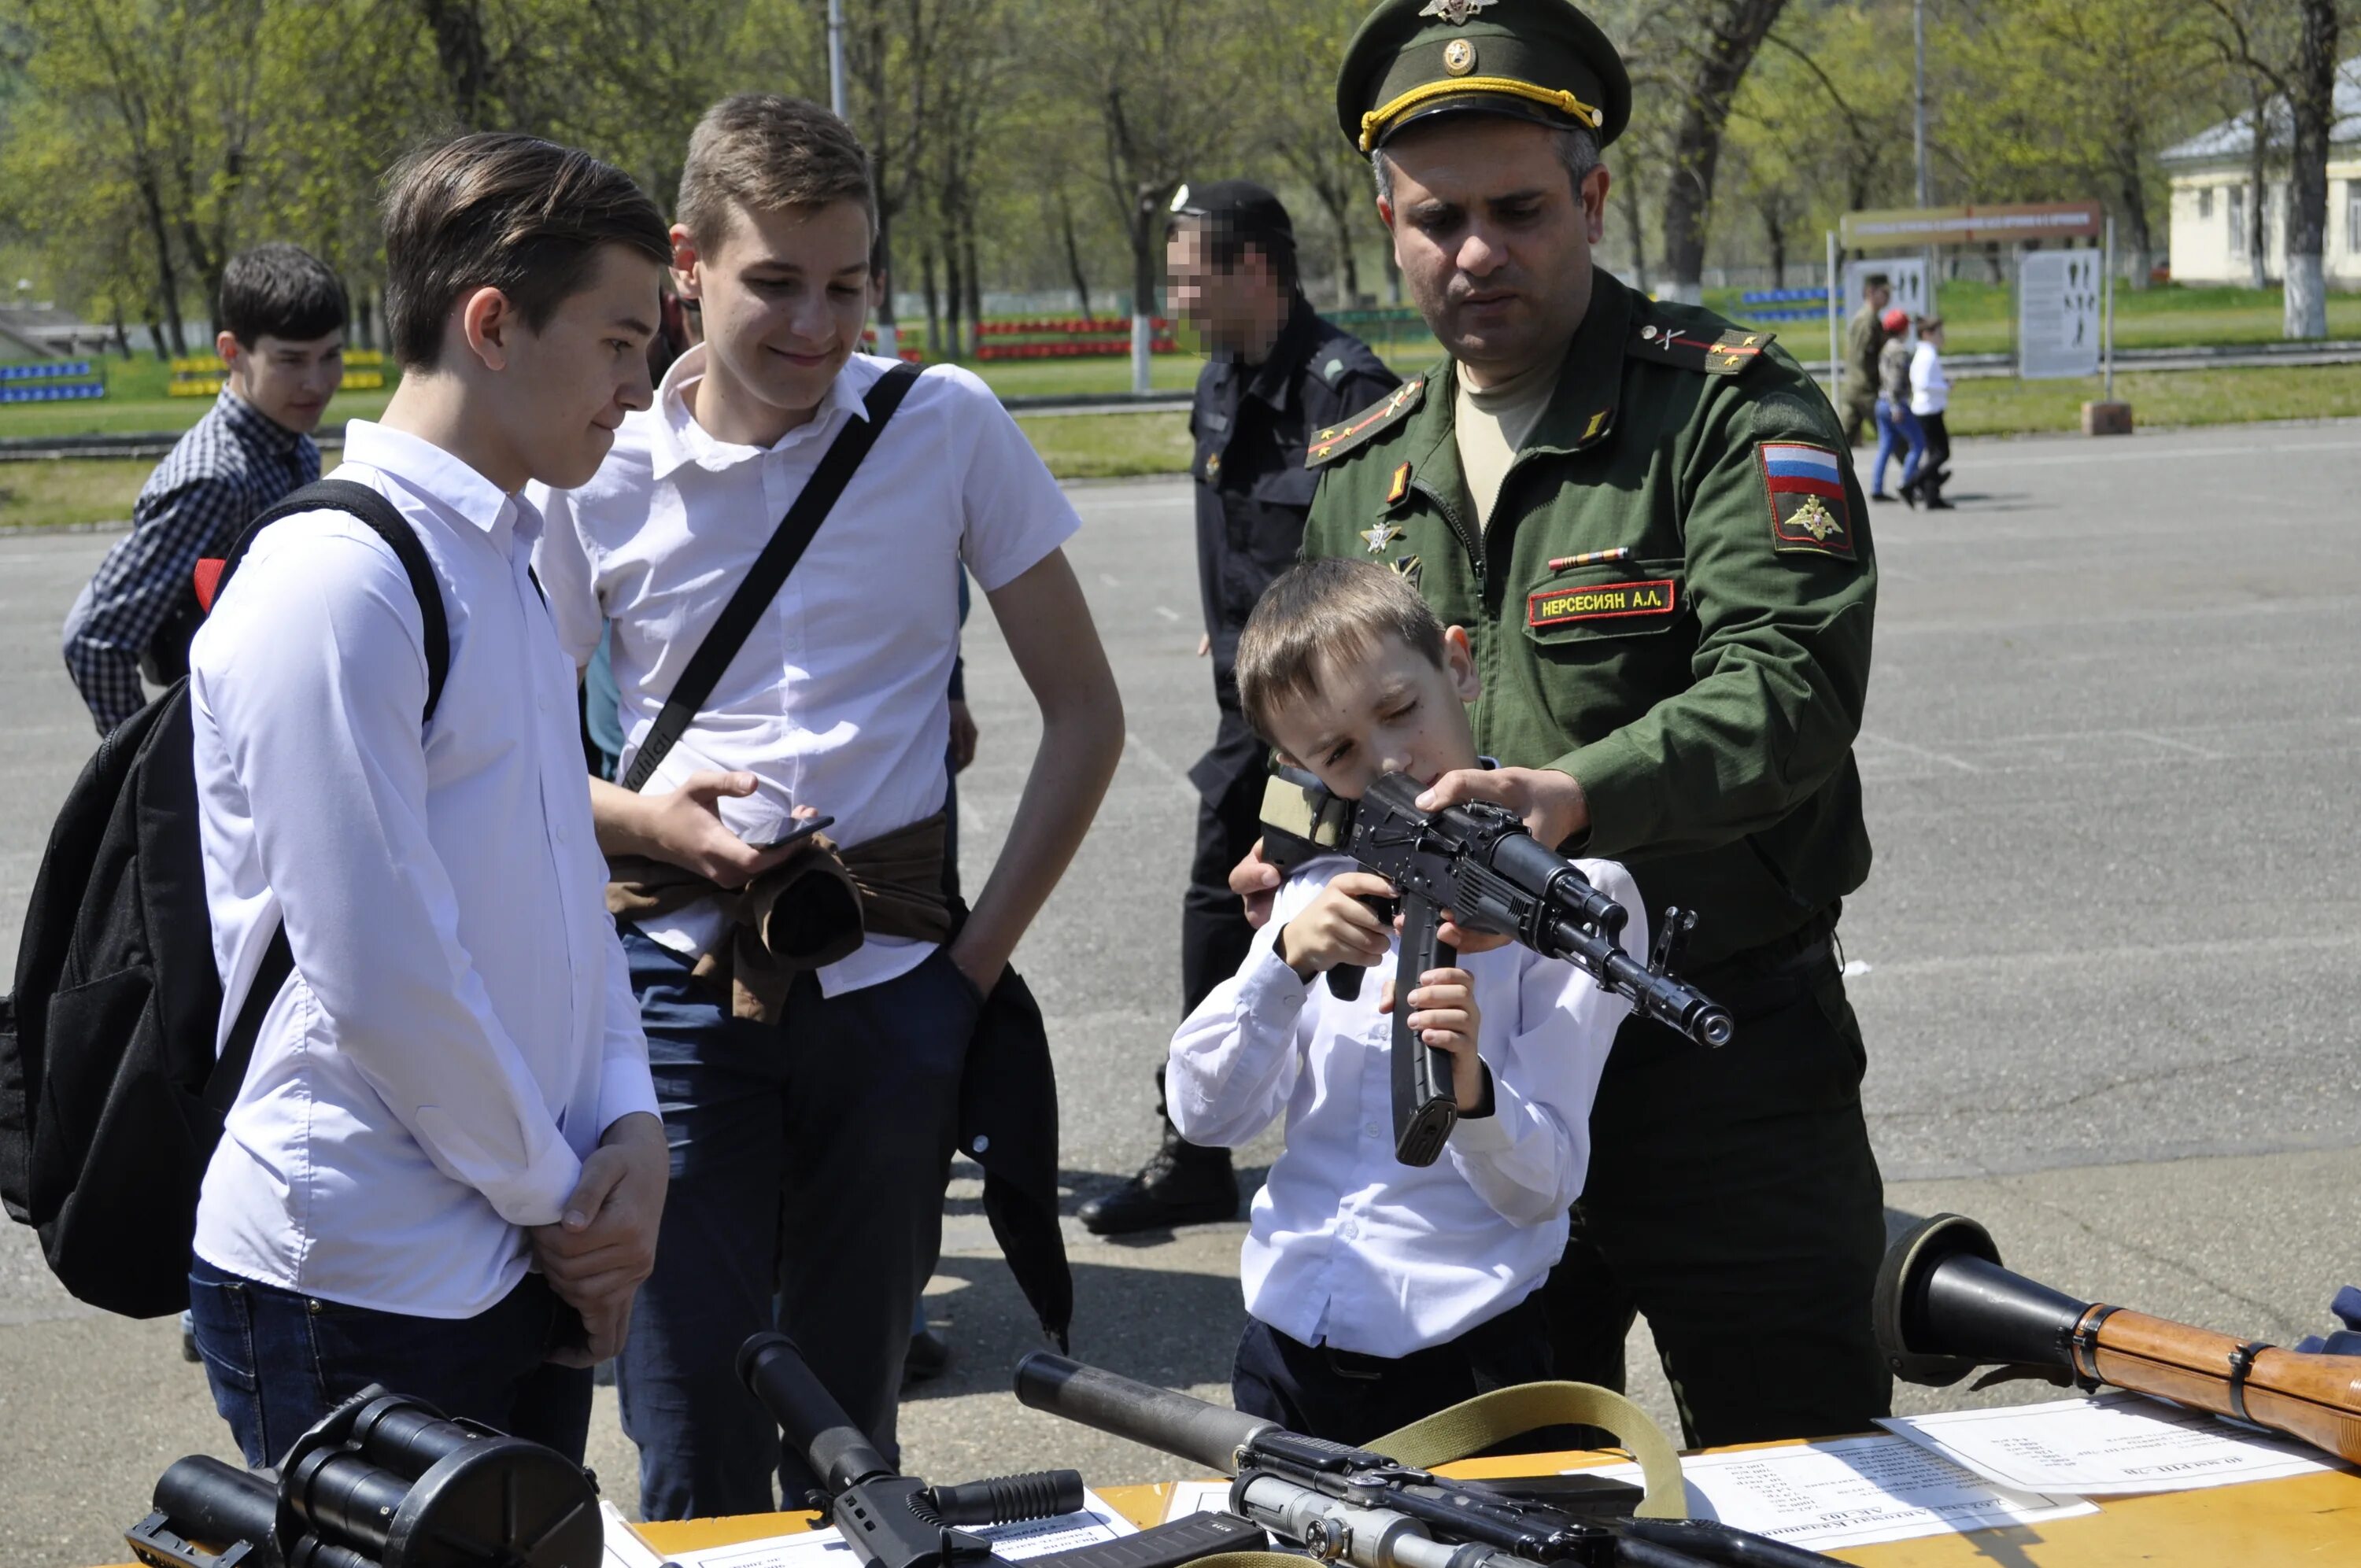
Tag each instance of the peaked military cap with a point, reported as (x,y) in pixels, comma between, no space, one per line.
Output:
(1534,60)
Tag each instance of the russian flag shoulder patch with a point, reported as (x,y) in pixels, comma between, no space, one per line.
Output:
(1804,484)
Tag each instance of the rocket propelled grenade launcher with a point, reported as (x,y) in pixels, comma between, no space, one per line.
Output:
(1349,1505)
(1477,860)
(1945,1306)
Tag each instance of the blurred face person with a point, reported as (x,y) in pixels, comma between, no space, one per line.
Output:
(783,295)
(1237,310)
(288,382)
(1493,236)
(1878,296)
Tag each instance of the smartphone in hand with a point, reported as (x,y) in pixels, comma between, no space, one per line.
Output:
(801,831)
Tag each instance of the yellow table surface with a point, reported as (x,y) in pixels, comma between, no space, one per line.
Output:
(2262,1524)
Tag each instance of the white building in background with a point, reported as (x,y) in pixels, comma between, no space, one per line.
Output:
(2213,188)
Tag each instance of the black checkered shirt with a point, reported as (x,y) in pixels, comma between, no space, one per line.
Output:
(219,476)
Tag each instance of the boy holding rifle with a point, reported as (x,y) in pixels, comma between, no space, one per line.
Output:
(1380,1292)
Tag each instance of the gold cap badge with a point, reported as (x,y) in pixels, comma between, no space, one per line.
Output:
(1459,56)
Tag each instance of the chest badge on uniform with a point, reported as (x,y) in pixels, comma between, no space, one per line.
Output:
(1409,569)
(1379,535)
(1804,484)
(1400,485)
(1213,465)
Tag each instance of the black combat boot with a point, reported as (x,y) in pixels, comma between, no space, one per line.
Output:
(1182,1184)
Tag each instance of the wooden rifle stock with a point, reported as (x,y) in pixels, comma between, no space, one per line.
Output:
(1945,1306)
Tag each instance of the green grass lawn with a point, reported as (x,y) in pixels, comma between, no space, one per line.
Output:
(69,489)
(1119,445)
(1978,317)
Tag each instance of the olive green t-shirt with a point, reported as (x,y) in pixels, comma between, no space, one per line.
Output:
(1490,424)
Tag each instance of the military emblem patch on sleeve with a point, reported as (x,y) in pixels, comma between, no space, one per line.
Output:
(1806,486)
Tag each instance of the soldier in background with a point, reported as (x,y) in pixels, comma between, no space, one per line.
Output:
(1865,336)
(1277,374)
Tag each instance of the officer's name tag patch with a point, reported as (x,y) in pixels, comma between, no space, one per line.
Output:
(1807,498)
(1603,601)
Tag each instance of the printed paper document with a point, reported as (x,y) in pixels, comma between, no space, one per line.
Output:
(1851,1492)
(2107,1446)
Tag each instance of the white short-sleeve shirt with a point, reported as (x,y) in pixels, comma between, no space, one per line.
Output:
(839,698)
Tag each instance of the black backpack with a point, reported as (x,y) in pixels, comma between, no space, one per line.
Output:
(111,1096)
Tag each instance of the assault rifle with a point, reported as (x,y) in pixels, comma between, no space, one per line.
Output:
(1345,1505)
(1477,861)
(891,1520)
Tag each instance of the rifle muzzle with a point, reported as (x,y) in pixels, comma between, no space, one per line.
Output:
(1155,1418)
(839,1454)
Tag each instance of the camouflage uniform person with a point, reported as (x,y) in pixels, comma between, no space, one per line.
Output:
(1865,336)
(1648,521)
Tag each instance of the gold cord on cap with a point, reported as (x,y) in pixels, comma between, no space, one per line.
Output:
(1378,119)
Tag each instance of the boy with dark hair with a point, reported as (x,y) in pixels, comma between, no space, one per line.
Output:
(811,1110)
(1378,1292)
(444,1169)
(281,315)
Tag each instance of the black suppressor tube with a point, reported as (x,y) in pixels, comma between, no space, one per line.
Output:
(1156,1418)
(839,1453)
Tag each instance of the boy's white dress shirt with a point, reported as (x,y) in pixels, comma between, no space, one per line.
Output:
(1348,1246)
(459,1030)
(839,698)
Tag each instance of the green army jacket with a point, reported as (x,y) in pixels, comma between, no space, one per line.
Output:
(1672,603)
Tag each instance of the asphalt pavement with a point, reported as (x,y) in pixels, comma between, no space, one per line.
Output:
(2107,963)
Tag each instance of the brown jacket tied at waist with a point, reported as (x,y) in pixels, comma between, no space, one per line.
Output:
(806,912)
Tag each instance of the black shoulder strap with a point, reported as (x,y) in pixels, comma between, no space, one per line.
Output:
(325,495)
(345,495)
(762,581)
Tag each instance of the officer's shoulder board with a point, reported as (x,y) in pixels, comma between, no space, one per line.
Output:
(1692,347)
(1334,442)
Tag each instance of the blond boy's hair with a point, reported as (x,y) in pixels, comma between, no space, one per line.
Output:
(1315,609)
(767,152)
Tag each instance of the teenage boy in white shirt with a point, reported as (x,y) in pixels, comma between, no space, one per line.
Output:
(445,1171)
(1377,1292)
(810,1135)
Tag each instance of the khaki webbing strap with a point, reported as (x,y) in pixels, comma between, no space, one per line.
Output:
(1474,1425)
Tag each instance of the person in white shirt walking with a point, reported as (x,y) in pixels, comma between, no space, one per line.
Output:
(1931,394)
(811,1110)
(445,1171)
(1377,1292)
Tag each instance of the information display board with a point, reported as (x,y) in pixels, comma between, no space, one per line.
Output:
(2058,327)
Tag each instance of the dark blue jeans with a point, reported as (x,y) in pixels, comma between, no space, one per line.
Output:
(279,1361)
(807,1167)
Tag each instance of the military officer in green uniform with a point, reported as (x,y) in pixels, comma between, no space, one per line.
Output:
(1647,522)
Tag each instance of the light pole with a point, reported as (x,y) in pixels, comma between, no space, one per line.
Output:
(1919,41)
(836,66)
